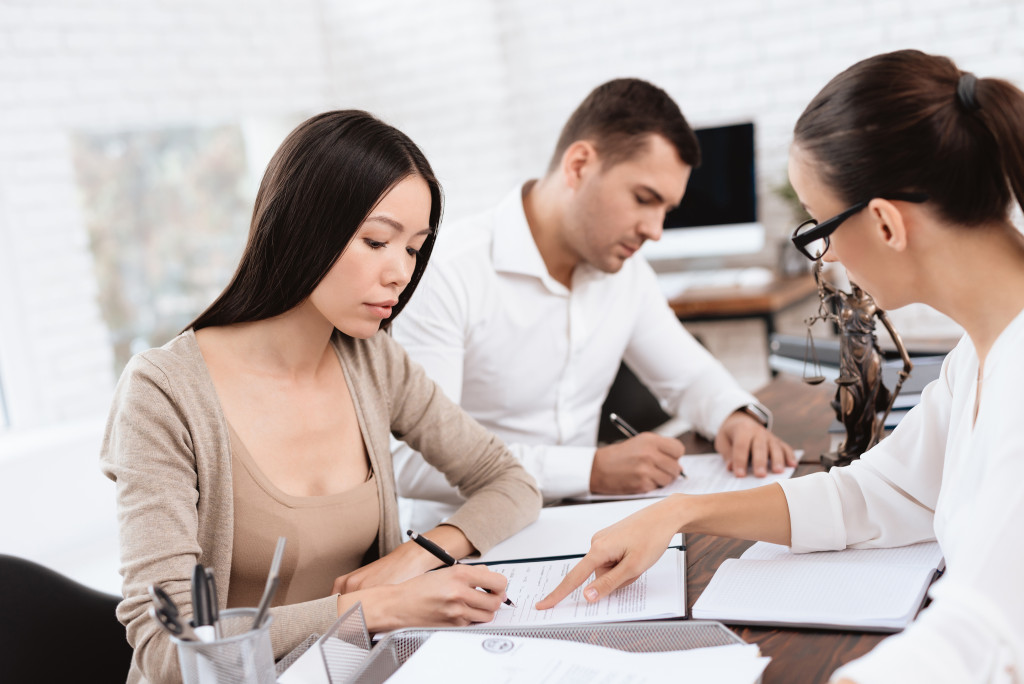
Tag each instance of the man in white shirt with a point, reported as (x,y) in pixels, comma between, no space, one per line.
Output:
(527,310)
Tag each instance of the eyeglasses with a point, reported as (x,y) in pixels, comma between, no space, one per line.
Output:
(811,237)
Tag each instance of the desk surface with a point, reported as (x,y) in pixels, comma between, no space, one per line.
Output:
(738,300)
(802,416)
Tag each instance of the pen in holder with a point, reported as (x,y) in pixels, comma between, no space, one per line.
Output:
(241,655)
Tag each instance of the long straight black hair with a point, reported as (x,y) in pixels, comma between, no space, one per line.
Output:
(320,185)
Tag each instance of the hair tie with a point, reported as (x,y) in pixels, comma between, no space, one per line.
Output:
(966,93)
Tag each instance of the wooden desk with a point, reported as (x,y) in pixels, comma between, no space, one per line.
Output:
(802,415)
(753,301)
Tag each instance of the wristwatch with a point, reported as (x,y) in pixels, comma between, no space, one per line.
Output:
(759,414)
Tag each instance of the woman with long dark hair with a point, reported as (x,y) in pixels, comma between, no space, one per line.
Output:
(911,167)
(270,416)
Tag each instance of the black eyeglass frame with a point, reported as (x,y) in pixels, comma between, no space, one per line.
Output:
(821,231)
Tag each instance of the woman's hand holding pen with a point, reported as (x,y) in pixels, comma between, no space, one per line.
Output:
(621,553)
(398,591)
(405,562)
(448,597)
(636,465)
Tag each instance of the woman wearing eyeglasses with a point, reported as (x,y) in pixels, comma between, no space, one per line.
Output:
(911,167)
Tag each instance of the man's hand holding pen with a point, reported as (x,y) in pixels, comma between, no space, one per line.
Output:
(644,461)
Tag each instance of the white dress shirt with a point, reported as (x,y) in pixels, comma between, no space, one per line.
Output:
(532,360)
(941,475)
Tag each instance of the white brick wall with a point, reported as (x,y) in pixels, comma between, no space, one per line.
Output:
(107,66)
(483,86)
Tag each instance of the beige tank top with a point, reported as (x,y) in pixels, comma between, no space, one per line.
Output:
(327,536)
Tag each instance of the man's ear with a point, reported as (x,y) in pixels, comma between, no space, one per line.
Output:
(889,223)
(577,161)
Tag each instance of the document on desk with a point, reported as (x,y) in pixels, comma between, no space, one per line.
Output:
(467,658)
(869,589)
(562,531)
(705,474)
(658,593)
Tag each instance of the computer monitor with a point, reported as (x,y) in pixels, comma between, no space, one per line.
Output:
(718,214)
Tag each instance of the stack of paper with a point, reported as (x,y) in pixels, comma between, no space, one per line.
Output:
(455,657)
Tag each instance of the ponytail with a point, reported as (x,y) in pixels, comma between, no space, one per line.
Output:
(1001,108)
(906,121)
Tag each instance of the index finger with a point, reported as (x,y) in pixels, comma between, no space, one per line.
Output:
(579,574)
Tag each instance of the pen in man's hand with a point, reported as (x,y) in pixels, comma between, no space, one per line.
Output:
(624,427)
(443,556)
(630,431)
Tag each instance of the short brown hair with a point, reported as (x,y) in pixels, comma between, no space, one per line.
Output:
(619,115)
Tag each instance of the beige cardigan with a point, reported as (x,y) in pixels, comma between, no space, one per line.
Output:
(167,449)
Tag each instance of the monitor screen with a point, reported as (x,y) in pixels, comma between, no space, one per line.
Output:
(718,214)
(721,190)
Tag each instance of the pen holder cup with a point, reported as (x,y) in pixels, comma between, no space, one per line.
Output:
(346,645)
(241,655)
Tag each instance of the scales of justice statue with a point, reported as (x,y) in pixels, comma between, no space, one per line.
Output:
(862,401)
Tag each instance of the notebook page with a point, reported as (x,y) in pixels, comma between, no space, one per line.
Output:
(659,592)
(812,593)
(926,554)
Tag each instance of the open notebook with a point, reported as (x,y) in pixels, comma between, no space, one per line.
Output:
(877,590)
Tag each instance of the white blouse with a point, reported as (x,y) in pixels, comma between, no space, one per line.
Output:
(941,475)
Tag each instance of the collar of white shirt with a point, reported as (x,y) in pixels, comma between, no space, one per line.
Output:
(514,250)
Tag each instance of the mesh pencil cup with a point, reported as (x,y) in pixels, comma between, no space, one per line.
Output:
(241,655)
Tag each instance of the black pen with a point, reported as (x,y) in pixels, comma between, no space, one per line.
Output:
(443,556)
(624,427)
(211,587)
(202,620)
(630,431)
